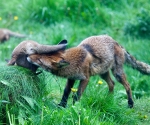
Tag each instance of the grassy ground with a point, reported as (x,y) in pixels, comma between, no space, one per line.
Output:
(48,22)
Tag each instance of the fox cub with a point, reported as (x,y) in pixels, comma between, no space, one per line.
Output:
(96,55)
(5,34)
(28,47)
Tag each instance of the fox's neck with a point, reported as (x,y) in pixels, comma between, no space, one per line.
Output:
(77,58)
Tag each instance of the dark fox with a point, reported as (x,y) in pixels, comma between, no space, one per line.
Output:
(5,34)
(96,55)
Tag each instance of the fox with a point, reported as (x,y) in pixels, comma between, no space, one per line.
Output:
(24,48)
(5,34)
(95,55)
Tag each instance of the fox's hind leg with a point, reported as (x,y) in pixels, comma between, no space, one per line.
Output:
(120,76)
(110,82)
(66,93)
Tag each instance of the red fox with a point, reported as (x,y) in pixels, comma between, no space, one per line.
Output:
(96,55)
(5,35)
(22,50)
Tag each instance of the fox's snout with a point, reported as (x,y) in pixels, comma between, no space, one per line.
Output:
(30,61)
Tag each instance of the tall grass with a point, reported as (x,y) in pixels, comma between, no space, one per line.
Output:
(140,26)
(19,87)
(29,99)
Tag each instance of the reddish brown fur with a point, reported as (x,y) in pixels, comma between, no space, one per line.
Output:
(94,55)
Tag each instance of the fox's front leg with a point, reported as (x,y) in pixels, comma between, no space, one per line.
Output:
(81,88)
(66,93)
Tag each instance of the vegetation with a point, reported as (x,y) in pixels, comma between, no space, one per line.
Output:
(29,99)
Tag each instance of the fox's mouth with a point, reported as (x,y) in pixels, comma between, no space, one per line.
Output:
(40,64)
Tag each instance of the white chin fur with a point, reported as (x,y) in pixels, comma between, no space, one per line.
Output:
(29,60)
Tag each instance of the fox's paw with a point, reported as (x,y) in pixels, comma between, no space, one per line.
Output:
(130,103)
(62,105)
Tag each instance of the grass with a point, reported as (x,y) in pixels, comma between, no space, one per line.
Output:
(35,98)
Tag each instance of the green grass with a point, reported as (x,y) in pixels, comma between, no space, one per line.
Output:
(35,98)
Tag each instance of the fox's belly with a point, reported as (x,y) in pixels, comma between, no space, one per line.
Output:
(70,75)
(99,68)
(77,77)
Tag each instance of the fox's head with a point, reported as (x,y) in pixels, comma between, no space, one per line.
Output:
(48,62)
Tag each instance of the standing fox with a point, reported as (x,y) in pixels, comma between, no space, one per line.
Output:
(96,55)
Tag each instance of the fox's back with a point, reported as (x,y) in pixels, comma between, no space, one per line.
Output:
(99,46)
(102,50)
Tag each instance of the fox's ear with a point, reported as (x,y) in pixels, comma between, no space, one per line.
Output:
(63,42)
(63,63)
(60,64)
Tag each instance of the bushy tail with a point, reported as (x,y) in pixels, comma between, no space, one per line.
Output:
(16,34)
(140,66)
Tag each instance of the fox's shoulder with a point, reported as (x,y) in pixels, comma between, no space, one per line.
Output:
(76,54)
(75,51)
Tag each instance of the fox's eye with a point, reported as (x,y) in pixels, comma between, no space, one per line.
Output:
(33,50)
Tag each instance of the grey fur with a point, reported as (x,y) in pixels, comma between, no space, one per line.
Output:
(5,34)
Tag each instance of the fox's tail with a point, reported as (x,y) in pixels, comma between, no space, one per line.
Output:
(140,66)
(16,34)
